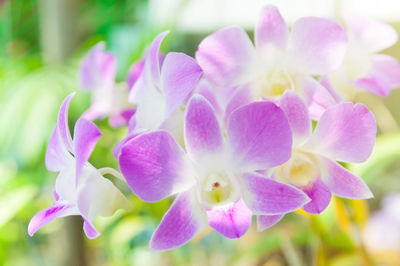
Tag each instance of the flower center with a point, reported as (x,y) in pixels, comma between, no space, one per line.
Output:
(217,189)
(300,170)
(275,83)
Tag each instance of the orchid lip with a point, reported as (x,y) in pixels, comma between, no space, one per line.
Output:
(217,189)
(301,170)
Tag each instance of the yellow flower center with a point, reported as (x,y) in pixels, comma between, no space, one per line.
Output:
(218,189)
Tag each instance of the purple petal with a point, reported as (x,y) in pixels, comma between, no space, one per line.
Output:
(259,136)
(241,97)
(318,46)
(266,196)
(317,97)
(297,114)
(86,135)
(227,57)
(89,229)
(98,68)
(231,221)
(383,77)
(152,63)
(271,30)
(154,166)
(179,75)
(203,136)
(45,216)
(266,221)
(134,73)
(371,34)
(60,142)
(346,132)
(185,219)
(343,183)
(320,196)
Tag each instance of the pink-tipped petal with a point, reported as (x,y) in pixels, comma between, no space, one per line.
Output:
(317,97)
(297,114)
(259,136)
(372,35)
(89,229)
(228,57)
(232,220)
(320,196)
(318,46)
(266,196)
(241,97)
(266,221)
(271,30)
(152,63)
(384,76)
(179,75)
(60,143)
(343,183)
(45,216)
(86,135)
(185,219)
(134,73)
(203,136)
(154,166)
(346,132)
(98,69)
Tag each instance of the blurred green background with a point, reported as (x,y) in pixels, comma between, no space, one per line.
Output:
(41,44)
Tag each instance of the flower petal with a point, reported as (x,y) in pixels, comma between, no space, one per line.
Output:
(343,183)
(99,197)
(266,221)
(241,97)
(89,229)
(134,73)
(297,114)
(317,97)
(185,219)
(60,142)
(320,196)
(98,69)
(86,135)
(203,136)
(154,166)
(58,209)
(383,77)
(266,196)
(271,30)
(346,132)
(259,136)
(152,62)
(371,34)
(228,57)
(318,46)
(179,75)
(231,221)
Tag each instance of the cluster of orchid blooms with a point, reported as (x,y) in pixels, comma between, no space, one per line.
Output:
(243,129)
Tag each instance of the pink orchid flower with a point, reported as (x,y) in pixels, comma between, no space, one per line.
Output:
(164,85)
(346,132)
(80,188)
(214,179)
(97,75)
(363,68)
(279,59)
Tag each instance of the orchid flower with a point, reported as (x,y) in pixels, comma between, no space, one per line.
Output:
(164,85)
(363,68)
(214,179)
(279,59)
(346,132)
(80,188)
(97,75)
